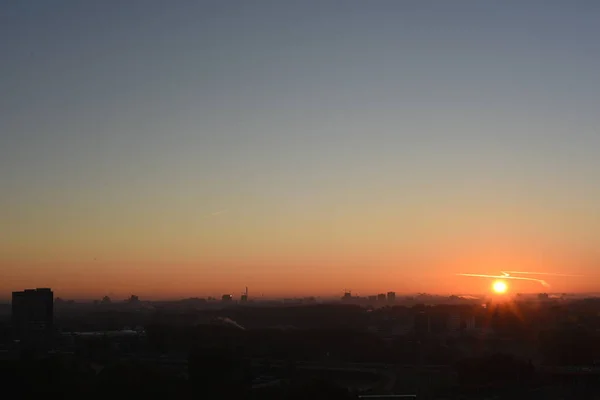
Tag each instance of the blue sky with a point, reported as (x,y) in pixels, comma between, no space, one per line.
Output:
(143,115)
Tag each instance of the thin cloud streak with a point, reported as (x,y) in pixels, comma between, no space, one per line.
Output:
(537,273)
(520,278)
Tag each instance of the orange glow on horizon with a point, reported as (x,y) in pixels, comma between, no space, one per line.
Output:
(306,269)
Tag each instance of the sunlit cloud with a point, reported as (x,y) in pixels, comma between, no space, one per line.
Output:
(506,276)
(508,273)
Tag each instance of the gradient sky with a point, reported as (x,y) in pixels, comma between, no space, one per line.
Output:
(181,148)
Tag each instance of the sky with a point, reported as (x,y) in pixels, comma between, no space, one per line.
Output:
(192,148)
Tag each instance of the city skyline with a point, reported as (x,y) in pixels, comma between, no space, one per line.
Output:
(169,150)
(489,291)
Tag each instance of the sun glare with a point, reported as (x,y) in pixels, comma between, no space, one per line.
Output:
(499,287)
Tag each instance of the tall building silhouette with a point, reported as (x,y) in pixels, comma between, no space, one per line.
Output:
(33,315)
(422,324)
(391,297)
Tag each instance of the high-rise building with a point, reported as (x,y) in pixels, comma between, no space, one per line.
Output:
(470,322)
(381,297)
(244,298)
(391,297)
(454,322)
(422,324)
(33,314)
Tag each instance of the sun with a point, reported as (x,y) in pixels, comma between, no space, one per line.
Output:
(499,287)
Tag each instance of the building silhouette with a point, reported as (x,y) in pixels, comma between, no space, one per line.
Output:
(455,322)
(422,324)
(33,315)
(226,298)
(391,297)
(133,299)
(244,298)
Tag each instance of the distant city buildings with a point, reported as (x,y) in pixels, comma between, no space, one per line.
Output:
(133,299)
(227,298)
(33,315)
(381,299)
(244,298)
(391,297)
